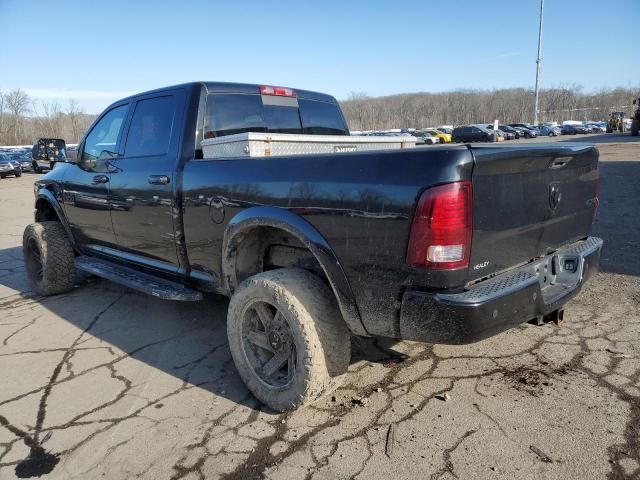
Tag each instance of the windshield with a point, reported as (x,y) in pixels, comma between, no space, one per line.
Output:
(230,113)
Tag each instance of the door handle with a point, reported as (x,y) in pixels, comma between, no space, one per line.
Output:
(100,179)
(158,180)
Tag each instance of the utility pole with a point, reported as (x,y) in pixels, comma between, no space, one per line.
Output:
(538,61)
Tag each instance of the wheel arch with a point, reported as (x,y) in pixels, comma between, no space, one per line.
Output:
(47,208)
(244,223)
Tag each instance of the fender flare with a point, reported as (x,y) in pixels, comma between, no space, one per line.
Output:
(49,197)
(309,236)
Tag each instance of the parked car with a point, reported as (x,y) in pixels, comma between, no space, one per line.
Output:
(425,138)
(22,158)
(473,133)
(444,137)
(526,130)
(573,129)
(462,242)
(545,131)
(502,133)
(596,127)
(511,130)
(445,129)
(9,166)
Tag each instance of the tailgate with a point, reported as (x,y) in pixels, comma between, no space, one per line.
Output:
(529,201)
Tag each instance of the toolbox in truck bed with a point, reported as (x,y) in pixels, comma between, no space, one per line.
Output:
(259,144)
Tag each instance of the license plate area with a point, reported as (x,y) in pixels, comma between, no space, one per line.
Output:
(558,274)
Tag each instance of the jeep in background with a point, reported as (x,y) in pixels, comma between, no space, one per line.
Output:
(449,244)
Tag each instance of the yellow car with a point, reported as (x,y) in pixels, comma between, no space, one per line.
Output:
(444,137)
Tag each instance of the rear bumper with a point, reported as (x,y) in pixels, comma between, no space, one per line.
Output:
(502,302)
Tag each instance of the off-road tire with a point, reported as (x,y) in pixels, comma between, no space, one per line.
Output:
(321,338)
(54,273)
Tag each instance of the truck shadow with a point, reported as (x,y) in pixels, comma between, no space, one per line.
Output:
(617,221)
(603,138)
(185,340)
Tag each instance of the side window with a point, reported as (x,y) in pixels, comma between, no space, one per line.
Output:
(101,141)
(151,126)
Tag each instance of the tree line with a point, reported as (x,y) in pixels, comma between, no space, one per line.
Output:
(463,107)
(24,120)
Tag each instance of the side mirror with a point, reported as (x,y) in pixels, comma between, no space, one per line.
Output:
(49,150)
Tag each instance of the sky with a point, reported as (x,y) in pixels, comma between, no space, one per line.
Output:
(99,51)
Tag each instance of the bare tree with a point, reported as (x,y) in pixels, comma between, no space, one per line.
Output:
(17,103)
(74,114)
(460,107)
(1,114)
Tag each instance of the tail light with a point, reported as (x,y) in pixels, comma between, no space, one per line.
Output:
(440,235)
(277,91)
(596,198)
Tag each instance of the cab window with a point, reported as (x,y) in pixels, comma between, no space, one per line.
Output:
(101,141)
(151,126)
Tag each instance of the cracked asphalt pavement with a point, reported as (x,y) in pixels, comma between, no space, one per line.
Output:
(106,382)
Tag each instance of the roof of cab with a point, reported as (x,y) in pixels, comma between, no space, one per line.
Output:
(230,87)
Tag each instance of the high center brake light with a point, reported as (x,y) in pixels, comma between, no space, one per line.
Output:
(277,91)
(442,227)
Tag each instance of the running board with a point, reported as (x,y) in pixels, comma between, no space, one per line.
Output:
(143,282)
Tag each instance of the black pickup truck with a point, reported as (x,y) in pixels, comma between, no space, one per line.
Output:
(446,244)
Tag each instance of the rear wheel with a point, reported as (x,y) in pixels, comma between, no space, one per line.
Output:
(287,337)
(48,258)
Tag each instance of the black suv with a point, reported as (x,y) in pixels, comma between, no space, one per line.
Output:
(472,133)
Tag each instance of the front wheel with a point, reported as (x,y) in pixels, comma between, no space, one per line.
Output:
(48,258)
(287,337)
(18,174)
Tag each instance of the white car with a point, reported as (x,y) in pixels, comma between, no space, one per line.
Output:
(425,138)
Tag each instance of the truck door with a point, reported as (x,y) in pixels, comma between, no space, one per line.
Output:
(143,183)
(86,186)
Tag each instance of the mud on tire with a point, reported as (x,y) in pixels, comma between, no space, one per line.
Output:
(287,337)
(48,258)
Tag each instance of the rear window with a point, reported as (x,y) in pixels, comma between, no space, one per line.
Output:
(321,118)
(229,114)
